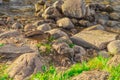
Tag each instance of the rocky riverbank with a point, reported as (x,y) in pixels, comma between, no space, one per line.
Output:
(62,32)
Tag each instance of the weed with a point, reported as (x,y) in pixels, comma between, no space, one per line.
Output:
(1,45)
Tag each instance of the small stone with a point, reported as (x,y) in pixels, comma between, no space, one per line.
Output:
(65,23)
(84,23)
(56,33)
(114,47)
(104,54)
(44,27)
(29,27)
(113,24)
(17,25)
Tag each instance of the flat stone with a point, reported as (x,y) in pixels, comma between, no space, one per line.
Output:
(12,51)
(93,39)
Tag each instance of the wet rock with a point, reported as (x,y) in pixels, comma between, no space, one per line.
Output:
(24,66)
(84,23)
(44,27)
(57,33)
(29,27)
(13,51)
(17,25)
(115,61)
(79,53)
(51,13)
(93,39)
(95,27)
(65,23)
(92,75)
(114,47)
(69,8)
(114,16)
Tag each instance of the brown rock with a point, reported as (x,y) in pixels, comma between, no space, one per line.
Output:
(94,38)
(24,66)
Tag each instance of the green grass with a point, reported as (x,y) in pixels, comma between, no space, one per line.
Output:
(3,75)
(1,45)
(98,63)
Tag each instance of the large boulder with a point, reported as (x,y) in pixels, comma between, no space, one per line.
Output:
(92,75)
(114,47)
(75,8)
(24,66)
(93,39)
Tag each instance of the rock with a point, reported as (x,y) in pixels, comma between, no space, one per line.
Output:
(44,27)
(29,27)
(24,66)
(93,39)
(17,25)
(65,23)
(13,51)
(92,75)
(51,13)
(102,21)
(95,27)
(109,8)
(9,34)
(56,33)
(104,54)
(114,62)
(69,8)
(84,23)
(79,53)
(116,8)
(115,16)
(58,5)
(113,24)
(64,39)
(114,47)
(63,49)
(40,22)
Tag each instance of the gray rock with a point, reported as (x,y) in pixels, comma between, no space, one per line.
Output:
(92,75)
(93,39)
(13,51)
(75,8)
(25,66)
(104,54)
(95,27)
(58,5)
(79,53)
(114,61)
(56,33)
(64,39)
(44,27)
(63,48)
(114,47)
(65,23)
